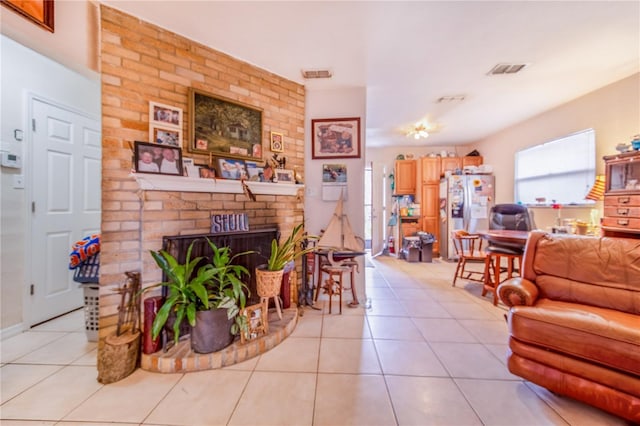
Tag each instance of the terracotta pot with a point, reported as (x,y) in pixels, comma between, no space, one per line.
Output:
(212,331)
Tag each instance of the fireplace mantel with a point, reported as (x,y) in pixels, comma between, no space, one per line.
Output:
(154,182)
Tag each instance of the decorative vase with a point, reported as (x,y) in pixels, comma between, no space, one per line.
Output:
(212,331)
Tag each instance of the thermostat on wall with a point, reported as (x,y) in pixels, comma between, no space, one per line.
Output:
(11,160)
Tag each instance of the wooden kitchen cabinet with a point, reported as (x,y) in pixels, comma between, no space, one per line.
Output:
(432,226)
(450,164)
(430,170)
(405,177)
(429,208)
(472,161)
(430,200)
(622,196)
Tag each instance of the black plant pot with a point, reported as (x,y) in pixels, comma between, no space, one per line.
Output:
(212,331)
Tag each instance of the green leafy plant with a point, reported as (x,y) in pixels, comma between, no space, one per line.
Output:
(226,289)
(288,251)
(214,285)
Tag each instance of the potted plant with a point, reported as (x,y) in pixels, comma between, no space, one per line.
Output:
(215,286)
(269,275)
(216,327)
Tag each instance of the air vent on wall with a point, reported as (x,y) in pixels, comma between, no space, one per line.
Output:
(506,69)
(447,99)
(316,73)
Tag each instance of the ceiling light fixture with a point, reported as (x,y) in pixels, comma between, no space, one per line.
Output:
(420,131)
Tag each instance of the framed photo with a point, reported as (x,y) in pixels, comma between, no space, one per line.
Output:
(256,317)
(334,173)
(165,115)
(277,142)
(38,11)
(153,158)
(335,138)
(284,176)
(254,172)
(206,172)
(189,168)
(224,127)
(165,136)
(231,168)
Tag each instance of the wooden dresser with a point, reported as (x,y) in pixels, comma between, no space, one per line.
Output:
(622,196)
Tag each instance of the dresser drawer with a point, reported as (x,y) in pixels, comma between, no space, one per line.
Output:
(621,200)
(622,211)
(620,223)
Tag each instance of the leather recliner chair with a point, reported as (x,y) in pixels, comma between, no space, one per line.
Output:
(574,319)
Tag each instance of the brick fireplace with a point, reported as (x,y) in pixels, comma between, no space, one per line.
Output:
(141,62)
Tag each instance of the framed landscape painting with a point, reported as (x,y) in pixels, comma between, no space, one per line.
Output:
(223,127)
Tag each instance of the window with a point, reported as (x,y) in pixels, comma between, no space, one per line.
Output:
(559,171)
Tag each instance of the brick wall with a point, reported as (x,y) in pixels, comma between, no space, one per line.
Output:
(141,62)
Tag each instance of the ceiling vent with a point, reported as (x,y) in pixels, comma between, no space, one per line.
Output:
(501,69)
(449,99)
(316,73)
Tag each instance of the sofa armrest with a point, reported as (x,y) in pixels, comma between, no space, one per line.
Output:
(518,291)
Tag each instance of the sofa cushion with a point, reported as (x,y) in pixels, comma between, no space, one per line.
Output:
(602,272)
(600,335)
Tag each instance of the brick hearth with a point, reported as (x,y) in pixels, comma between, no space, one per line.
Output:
(181,359)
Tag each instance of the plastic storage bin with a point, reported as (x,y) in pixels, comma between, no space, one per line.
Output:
(426,246)
(91,311)
(87,275)
(411,249)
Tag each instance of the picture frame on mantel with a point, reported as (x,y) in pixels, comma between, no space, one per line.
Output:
(38,11)
(335,138)
(157,159)
(223,127)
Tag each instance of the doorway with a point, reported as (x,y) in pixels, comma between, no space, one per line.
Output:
(65,203)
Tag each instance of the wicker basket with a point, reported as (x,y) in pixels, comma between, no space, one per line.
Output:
(268,282)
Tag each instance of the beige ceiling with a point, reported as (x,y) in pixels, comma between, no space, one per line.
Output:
(409,54)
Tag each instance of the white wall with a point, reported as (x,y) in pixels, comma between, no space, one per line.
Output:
(348,102)
(612,111)
(24,72)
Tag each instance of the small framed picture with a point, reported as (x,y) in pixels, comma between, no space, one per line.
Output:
(256,318)
(254,172)
(163,136)
(153,158)
(277,142)
(165,115)
(334,173)
(206,172)
(284,176)
(231,168)
(189,168)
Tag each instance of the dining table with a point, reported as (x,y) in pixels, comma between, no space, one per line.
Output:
(511,237)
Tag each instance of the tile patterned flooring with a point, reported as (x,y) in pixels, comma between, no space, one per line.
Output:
(423,354)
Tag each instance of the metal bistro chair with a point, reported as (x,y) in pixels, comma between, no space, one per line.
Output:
(468,248)
(514,217)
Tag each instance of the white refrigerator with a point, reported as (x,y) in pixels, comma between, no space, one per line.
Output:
(465,203)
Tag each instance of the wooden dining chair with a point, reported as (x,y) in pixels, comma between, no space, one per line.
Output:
(468,248)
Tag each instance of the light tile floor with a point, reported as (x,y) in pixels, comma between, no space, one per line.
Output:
(424,354)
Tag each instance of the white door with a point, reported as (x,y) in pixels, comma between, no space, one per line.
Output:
(379,215)
(66,152)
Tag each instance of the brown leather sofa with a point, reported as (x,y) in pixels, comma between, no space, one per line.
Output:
(574,319)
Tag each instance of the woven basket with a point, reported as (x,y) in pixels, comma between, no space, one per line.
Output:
(268,282)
